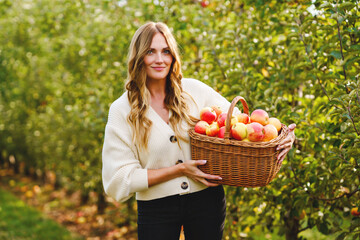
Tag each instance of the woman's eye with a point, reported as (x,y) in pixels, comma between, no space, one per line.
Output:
(167,51)
(150,51)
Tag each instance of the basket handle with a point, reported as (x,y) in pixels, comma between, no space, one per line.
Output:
(229,115)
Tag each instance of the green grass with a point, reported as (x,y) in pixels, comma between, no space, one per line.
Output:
(21,222)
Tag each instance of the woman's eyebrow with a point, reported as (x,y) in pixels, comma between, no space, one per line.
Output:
(165,48)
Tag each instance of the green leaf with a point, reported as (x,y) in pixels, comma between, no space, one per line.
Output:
(347,115)
(351,60)
(323,228)
(293,35)
(315,204)
(340,19)
(335,102)
(341,236)
(295,115)
(344,126)
(305,26)
(336,54)
(326,5)
(355,47)
(355,223)
(346,6)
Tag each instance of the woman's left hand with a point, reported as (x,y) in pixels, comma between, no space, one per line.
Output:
(286,144)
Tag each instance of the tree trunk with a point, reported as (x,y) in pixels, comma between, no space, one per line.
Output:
(292,228)
(14,164)
(2,160)
(57,184)
(84,198)
(101,203)
(27,171)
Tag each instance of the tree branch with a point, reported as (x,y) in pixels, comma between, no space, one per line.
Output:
(352,119)
(303,229)
(348,195)
(313,65)
(242,68)
(219,64)
(341,46)
(357,90)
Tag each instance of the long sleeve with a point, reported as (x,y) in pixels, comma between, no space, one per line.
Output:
(122,172)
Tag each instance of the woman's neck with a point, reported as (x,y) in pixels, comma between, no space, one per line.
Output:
(157,101)
(157,90)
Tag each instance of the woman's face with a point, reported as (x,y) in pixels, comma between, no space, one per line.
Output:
(158,59)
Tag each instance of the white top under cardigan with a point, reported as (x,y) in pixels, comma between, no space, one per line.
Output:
(125,166)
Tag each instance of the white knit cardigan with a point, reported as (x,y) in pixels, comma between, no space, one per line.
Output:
(125,166)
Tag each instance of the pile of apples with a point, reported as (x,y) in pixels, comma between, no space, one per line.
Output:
(258,127)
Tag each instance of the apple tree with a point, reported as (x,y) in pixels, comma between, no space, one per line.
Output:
(62,63)
(300,63)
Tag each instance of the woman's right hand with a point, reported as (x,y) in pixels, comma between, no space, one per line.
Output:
(190,169)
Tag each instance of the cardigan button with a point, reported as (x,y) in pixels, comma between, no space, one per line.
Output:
(184,185)
(179,161)
(173,139)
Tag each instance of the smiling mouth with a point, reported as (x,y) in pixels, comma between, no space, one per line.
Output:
(158,68)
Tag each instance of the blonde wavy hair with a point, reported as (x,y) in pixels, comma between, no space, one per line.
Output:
(138,94)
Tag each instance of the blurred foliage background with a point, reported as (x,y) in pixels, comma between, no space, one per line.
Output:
(63,62)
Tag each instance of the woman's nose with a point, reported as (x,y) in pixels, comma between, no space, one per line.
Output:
(159,58)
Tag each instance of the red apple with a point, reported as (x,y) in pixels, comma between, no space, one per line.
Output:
(221,133)
(221,119)
(208,115)
(276,122)
(239,131)
(212,130)
(217,110)
(243,118)
(204,3)
(302,215)
(255,132)
(260,116)
(270,132)
(355,212)
(201,126)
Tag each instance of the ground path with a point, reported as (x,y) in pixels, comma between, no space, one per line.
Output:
(34,204)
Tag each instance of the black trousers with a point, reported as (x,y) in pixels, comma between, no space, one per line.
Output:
(202,215)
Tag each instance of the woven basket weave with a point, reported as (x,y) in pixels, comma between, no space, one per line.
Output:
(239,163)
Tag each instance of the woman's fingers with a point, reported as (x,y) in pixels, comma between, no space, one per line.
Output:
(284,145)
(209,184)
(200,162)
(206,182)
(287,143)
(209,176)
(204,175)
(292,126)
(200,176)
(282,154)
(285,148)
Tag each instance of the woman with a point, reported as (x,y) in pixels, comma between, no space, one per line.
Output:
(146,147)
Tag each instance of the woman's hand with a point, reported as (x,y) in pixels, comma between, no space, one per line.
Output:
(287,143)
(190,169)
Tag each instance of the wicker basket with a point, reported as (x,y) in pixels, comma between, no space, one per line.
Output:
(239,163)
